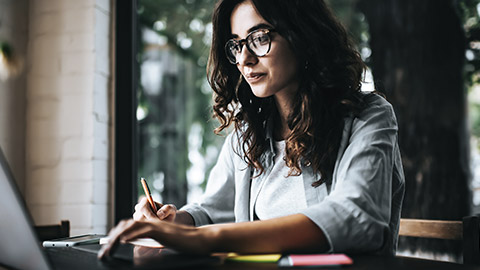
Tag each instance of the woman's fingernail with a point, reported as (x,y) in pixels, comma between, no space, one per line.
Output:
(101,252)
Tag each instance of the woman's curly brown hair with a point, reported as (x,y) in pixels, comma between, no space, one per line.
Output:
(330,79)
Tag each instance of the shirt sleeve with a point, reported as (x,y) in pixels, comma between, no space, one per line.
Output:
(355,215)
(217,203)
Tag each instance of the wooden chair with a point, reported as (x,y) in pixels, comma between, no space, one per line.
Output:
(467,231)
(48,232)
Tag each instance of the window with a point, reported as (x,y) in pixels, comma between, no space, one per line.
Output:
(164,130)
(176,143)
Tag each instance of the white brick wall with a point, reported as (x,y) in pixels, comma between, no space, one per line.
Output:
(67,113)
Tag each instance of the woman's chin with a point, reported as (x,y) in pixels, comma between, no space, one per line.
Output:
(261,93)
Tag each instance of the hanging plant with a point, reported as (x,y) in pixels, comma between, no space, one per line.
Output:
(10,64)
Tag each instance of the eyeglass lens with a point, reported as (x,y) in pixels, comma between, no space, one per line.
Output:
(257,42)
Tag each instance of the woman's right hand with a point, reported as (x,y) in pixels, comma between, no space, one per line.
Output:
(143,211)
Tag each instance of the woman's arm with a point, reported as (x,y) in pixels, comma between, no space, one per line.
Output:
(183,217)
(294,233)
(361,213)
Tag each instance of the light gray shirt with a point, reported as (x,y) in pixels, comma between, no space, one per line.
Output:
(279,194)
(358,212)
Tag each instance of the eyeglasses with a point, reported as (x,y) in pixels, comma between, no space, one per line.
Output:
(258,43)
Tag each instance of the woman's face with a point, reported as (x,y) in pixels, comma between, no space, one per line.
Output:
(272,74)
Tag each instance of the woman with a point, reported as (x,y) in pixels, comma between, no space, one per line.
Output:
(312,165)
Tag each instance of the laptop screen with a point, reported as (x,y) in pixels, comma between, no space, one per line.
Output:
(19,247)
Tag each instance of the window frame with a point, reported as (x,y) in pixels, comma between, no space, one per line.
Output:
(126,77)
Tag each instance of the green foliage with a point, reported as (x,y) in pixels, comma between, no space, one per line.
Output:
(6,49)
(354,21)
(475,116)
(185,29)
(469,13)
(180,21)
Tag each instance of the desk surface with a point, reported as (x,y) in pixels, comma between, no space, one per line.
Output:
(69,258)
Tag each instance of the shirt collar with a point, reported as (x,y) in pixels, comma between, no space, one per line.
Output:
(268,126)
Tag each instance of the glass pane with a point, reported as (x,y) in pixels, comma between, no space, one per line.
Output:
(177,146)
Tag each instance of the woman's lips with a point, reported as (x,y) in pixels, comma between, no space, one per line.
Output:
(254,77)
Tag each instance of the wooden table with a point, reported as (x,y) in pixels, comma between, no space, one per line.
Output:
(365,262)
(69,258)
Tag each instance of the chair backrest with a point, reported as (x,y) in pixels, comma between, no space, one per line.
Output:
(467,231)
(48,232)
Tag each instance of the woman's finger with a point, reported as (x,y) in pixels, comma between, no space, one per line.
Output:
(138,216)
(125,231)
(167,212)
(143,210)
(113,235)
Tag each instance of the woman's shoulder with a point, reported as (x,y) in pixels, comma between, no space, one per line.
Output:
(233,143)
(376,104)
(377,111)
(373,99)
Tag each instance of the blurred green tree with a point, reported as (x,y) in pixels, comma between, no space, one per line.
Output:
(174,39)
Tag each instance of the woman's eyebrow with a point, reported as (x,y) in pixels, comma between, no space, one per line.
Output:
(259,26)
(253,28)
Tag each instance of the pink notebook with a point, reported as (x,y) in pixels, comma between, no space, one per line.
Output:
(315,260)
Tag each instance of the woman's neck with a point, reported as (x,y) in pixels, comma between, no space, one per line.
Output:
(282,130)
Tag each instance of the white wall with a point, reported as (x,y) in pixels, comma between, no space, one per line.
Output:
(55,118)
(13,29)
(67,113)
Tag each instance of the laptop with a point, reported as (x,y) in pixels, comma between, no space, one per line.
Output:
(19,246)
(21,249)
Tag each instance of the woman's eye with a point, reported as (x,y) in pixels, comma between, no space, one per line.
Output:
(261,39)
(234,46)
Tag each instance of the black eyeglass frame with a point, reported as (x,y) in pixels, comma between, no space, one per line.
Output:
(241,42)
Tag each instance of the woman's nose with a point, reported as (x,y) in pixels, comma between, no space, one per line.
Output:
(245,57)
